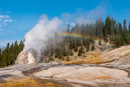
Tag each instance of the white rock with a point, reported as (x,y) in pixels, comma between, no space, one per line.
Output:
(25,57)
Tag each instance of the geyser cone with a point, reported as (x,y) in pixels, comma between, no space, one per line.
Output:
(25,57)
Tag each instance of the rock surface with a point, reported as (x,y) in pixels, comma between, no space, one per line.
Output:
(74,74)
(121,57)
(111,74)
(85,75)
(25,57)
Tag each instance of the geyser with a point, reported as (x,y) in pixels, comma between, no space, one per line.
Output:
(25,57)
(36,40)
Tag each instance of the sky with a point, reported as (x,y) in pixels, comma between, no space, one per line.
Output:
(17,17)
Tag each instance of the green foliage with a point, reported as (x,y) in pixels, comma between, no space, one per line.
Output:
(67,59)
(107,30)
(99,42)
(129,26)
(93,48)
(71,53)
(117,41)
(124,25)
(80,51)
(51,59)
(58,53)
(9,54)
(75,47)
(87,48)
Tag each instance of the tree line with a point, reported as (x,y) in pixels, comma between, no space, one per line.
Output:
(109,30)
(9,54)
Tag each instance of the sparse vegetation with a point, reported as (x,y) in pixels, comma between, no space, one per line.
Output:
(99,42)
(91,58)
(93,48)
(28,82)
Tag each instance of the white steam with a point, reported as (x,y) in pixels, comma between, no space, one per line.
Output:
(84,17)
(35,39)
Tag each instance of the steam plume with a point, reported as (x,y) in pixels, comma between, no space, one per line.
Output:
(35,39)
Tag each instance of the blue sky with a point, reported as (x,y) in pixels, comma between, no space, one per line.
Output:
(17,17)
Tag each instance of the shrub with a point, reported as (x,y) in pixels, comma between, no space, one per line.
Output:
(71,53)
(93,48)
(80,52)
(99,42)
(67,59)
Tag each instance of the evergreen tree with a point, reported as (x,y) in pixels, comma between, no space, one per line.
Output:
(68,28)
(120,28)
(9,54)
(124,25)
(0,58)
(108,25)
(129,26)
(87,48)
(80,51)
(93,48)
(99,42)
(67,59)
(117,41)
(71,53)
(75,47)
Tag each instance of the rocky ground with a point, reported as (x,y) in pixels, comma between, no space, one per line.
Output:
(76,75)
(115,73)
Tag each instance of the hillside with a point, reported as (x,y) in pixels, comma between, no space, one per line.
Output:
(116,57)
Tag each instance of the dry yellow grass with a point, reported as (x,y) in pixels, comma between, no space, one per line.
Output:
(91,58)
(28,82)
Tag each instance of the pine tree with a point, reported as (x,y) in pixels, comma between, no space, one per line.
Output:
(87,48)
(108,26)
(71,53)
(93,48)
(124,25)
(51,59)
(87,45)
(99,42)
(75,47)
(67,59)
(105,34)
(117,41)
(68,28)
(80,51)
(7,46)
(0,58)
(120,28)
(129,26)
(9,54)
